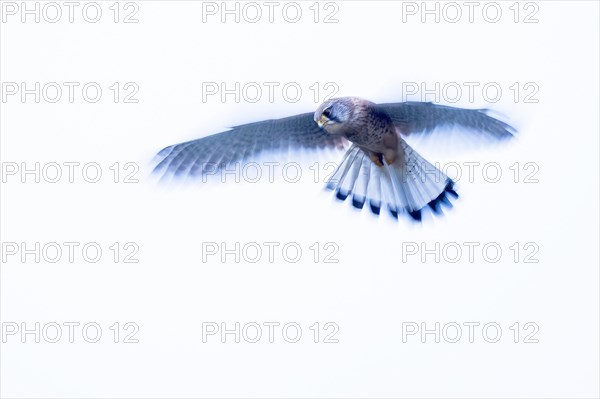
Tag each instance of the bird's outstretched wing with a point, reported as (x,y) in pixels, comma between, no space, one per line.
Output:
(417,117)
(244,143)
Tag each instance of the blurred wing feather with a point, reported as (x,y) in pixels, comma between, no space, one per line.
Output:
(417,117)
(243,143)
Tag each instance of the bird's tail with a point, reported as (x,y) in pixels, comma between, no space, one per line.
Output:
(408,185)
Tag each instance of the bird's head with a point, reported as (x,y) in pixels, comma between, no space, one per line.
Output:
(333,114)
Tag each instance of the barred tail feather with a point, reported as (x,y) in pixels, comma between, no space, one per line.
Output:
(407,186)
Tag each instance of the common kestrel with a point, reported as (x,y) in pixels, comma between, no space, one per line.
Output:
(379,167)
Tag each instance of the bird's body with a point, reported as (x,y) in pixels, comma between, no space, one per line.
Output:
(368,126)
(379,168)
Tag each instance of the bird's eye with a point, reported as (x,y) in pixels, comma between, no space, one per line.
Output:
(327,112)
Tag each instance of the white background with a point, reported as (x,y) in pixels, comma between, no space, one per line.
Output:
(371,291)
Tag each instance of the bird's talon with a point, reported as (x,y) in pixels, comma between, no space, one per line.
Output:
(377,160)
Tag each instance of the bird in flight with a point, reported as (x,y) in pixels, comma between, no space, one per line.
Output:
(379,168)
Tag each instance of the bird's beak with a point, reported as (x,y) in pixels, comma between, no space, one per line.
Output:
(322,120)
